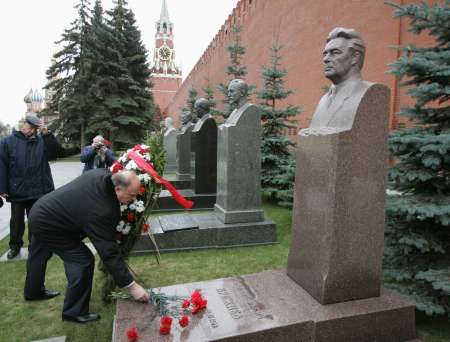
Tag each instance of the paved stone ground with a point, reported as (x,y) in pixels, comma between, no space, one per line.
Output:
(63,172)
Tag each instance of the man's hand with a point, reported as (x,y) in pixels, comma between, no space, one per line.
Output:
(139,293)
(43,129)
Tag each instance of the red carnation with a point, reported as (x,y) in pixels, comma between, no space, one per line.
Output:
(142,190)
(130,217)
(133,334)
(119,236)
(198,302)
(185,304)
(145,227)
(116,167)
(184,321)
(165,325)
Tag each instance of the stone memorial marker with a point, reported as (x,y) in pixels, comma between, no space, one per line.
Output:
(204,136)
(338,222)
(170,145)
(171,223)
(239,161)
(184,137)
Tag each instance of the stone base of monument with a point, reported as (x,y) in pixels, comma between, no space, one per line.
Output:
(203,230)
(201,201)
(268,307)
(180,183)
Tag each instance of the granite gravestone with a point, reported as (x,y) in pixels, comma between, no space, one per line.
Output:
(340,185)
(170,145)
(184,147)
(204,136)
(239,161)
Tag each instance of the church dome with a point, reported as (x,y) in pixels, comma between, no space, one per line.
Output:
(37,96)
(27,98)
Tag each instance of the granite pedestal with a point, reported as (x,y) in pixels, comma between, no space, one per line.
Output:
(270,307)
(184,138)
(203,230)
(166,203)
(170,147)
(338,217)
(239,167)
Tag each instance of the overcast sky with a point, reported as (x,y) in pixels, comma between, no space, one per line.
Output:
(29,28)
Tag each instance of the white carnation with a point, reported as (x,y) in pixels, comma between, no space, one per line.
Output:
(126,229)
(140,206)
(123,207)
(131,165)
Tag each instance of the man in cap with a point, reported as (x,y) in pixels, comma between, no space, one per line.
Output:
(25,174)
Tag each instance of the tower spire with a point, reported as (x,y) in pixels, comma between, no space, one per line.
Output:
(164,17)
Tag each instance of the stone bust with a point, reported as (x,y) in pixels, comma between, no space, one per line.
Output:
(343,59)
(201,107)
(186,120)
(238,95)
(168,124)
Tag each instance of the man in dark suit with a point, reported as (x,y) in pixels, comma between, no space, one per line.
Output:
(89,206)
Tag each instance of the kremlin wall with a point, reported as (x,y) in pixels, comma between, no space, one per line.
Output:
(302,27)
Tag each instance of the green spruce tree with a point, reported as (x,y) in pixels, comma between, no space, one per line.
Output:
(417,252)
(235,69)
(128,98)
(209,95)
(190,101)
(67,77)
(275,147)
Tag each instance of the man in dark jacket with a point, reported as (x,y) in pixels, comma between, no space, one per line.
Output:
(25,174)
(89,206)
(97,155)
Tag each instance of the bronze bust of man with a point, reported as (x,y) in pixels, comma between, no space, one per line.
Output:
(343,59)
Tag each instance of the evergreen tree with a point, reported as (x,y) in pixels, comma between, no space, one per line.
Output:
(190,101)
(275,153)
(209,95)
(100,119)
(417,253)
(67,77)
(128,98)
(234,70)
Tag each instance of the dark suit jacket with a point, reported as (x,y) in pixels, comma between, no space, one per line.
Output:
(87,206)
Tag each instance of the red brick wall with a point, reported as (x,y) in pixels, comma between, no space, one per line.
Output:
(164,89)
(302,27)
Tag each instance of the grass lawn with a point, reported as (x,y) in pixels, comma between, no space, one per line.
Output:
(23,321)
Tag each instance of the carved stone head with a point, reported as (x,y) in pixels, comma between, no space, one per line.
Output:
(237,91)
(343,55)
(168,123)
(186,117)
(201,107)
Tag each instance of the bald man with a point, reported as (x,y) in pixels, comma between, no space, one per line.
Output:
(89,206)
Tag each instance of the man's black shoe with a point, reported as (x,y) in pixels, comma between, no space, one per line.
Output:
(46,295)
(90,317)
(13,253)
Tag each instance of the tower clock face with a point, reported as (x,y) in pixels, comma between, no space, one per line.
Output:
(164,53)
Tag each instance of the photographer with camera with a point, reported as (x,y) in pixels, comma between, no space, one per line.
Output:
(97,155)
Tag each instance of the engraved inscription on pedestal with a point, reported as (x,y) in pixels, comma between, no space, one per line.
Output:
(172,223)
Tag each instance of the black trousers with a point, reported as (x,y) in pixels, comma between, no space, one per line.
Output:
(78,266)
(17,222)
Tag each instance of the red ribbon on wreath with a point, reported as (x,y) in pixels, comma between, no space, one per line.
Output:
(147,167)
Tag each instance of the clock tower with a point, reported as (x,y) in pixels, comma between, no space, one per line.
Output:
(166,75)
